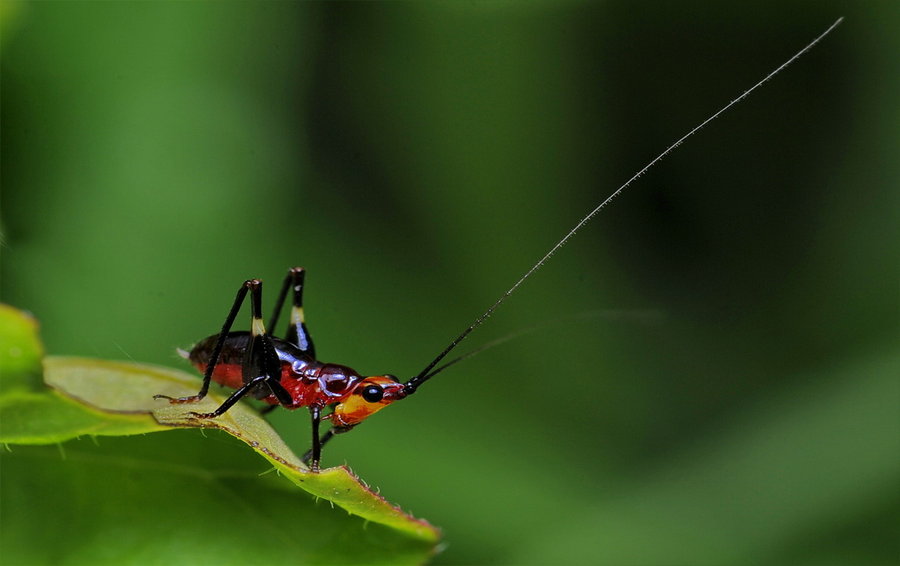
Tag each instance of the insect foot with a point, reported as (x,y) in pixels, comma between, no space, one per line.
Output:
(202,415)
(179,400)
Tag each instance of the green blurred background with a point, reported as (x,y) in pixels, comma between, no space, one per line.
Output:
(723,385)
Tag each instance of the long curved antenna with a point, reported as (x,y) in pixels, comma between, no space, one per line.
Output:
(414,383)
(645,316)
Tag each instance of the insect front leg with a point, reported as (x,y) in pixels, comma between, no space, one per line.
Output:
(214,359)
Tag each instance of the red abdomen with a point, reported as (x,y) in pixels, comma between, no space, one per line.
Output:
(229,369)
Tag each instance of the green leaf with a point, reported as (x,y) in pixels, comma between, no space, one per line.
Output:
(168,497)
(20,351)
(117,387)
(48,418)
(32,414)
(175,498)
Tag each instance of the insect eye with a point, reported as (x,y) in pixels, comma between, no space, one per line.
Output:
(373,393)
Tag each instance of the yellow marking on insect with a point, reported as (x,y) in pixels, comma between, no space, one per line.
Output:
(354,410)
(297,316)
(257,327)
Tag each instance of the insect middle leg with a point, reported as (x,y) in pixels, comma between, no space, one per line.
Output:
(312,456)
(297,333)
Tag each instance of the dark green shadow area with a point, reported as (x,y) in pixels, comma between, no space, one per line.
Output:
(184,497)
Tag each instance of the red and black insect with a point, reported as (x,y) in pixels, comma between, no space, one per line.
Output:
(285,371)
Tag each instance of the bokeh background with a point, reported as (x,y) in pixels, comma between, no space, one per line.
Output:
(714,376)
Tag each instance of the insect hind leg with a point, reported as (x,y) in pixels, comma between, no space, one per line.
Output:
(217,350)
(313,455)
(260,381)
(261,367)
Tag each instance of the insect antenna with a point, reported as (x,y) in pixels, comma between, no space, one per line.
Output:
(424,375)
(643,316)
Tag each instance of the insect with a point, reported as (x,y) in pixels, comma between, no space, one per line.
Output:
(286,372)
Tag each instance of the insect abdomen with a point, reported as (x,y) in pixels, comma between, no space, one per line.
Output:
(228,370)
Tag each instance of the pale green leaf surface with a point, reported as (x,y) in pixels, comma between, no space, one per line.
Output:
(49,418)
